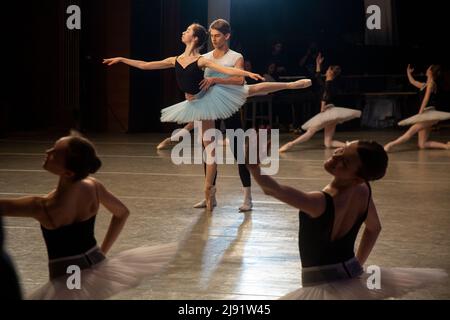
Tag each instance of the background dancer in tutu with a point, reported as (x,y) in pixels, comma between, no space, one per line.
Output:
(67,217)
(219,102)
(429,114)
(329,115)
(330,221)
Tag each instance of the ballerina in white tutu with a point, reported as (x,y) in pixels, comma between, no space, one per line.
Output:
(329,115)
(218,102)
(329,224)
(429,114)
(67,217)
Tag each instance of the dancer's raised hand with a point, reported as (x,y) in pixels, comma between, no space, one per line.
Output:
(112,61)
(409,69)
(255,76)
(319,59)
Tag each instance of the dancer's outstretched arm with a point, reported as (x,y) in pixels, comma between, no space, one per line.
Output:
(371,231)
(414,82)
(143,65)
(120,215)
(205,63)
(313,203)
(22,207)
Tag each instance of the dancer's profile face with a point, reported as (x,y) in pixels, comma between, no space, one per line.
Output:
(429,72)
(218,39)
(329,72)
(345,162)
(188,35)
(56,158)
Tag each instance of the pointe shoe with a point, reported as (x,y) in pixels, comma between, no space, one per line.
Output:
(202,204)
(247,205)
(164,144)
(210,195)
(300,84)
(286,147)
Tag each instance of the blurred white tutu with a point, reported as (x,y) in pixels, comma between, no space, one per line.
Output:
(218,102)
(332,114)
(394,283)
(429,114)
(108,277)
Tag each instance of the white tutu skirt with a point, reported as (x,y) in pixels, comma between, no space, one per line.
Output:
(394,283)
(331,115)
(429,114)
(110,276)
(218,102)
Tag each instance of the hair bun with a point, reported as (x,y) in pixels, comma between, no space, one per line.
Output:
(96,164)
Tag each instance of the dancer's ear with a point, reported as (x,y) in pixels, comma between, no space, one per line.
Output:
(68,174)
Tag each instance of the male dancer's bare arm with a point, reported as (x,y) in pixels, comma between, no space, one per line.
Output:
(205,63)
(233,80)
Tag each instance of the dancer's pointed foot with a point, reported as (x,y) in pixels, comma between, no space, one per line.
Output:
(387,147)
(300,84)
(202,204)
(164,144)
(286,147)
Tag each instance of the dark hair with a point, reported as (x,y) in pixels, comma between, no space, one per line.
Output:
(437,75)
(336,70)
(374,160)
(201,33)
(81,157)
(436,72)
(221,25)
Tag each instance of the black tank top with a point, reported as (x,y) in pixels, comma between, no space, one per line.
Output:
(435,98)
(70,240)
(189,78)
(314,240)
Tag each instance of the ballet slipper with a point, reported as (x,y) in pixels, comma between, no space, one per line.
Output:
(164,144)
(300,84)
(286,147)
(247,205)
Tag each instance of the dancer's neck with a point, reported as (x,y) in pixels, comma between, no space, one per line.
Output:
(191,51)
(338,186)
(64,185)
(220,52)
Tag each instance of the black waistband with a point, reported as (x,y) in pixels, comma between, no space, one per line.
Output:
(322,274)
(58,267)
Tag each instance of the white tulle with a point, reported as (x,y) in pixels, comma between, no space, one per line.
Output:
(429,114)
(218,102)
(121,272)
(332,114)
(395,282)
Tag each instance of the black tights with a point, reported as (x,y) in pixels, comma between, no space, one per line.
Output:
(234,122)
